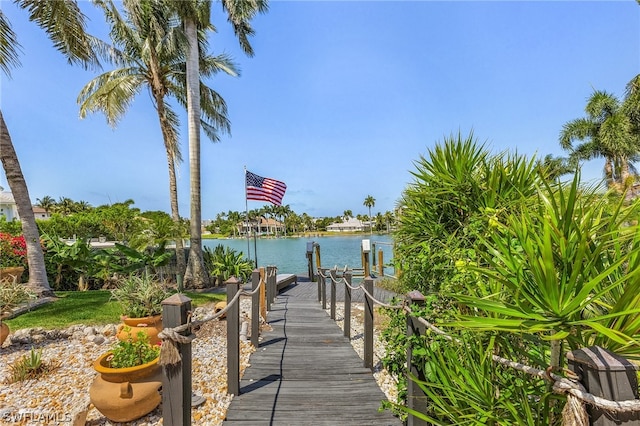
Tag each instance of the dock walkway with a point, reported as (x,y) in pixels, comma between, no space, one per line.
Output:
(305,371)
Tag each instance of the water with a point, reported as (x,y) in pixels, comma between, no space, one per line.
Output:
(289,254)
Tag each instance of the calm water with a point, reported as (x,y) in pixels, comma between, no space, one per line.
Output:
(289,254)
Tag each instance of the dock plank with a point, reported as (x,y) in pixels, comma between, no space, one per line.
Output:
(305,371)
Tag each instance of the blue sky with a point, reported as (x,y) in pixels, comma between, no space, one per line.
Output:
(339,101)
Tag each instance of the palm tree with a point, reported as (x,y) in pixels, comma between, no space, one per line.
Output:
(65,25)
(388,217)
(47,203)
(65,206)
(608,133)
(148,47)
(347,214)
(370,202)
(195,15)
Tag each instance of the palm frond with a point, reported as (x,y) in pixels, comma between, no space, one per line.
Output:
(9,46)
(64,23)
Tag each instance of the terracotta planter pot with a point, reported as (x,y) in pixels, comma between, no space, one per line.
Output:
(11,272)
(125,394)
(130,327)
(4,332)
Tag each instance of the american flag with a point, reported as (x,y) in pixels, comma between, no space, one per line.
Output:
(264,189)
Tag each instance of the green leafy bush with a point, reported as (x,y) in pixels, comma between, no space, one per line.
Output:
(224,262)
(130,353)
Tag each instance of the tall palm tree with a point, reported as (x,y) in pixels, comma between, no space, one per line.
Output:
(607,131)
(148,48)
(195,15)
(65,25)
(369,202)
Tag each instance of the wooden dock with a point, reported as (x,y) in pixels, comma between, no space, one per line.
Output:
(305,371)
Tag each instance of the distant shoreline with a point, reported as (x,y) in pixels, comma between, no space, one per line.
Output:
(298,235)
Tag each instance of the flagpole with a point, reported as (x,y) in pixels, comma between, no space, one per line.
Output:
(246,206)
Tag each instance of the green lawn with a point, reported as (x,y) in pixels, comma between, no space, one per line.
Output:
(86,307)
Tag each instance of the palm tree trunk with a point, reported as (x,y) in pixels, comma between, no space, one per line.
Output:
(175,215)
(608,172)
(624,173)
(196,275)
(35,258)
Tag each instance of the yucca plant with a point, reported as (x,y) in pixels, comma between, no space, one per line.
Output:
(564,269)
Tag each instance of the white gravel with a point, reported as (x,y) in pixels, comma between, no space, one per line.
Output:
(62,396)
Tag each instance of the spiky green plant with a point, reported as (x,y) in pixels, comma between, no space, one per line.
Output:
(565,269)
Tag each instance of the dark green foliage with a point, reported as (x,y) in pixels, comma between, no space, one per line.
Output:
(464,386)
(224,262)
(458,193)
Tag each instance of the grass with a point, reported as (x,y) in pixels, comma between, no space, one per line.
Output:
(86,307)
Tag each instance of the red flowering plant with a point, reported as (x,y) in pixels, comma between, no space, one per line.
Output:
(13,250)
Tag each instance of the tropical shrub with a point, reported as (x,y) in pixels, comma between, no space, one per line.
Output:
(511,263)
(567,270)
(72,262)
(13,250)
(224,262)
(460,191)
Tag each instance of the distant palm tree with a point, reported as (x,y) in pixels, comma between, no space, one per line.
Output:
(65,206)
(47,203)
(370,202)
(195,16)
(65,25)
(347,214)
(148,48)
(607,132)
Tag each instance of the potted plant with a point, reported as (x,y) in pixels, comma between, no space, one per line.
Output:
(12,294)
(13,256)
(140,297)
(128,381)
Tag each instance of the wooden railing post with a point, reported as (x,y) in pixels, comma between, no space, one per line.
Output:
(310,268)
(263,297)
(347,304)
(609,376)
(381,262)
(321,272)
(318,263)
(272,290)
(368,323)
(323,290)
(334,276)
(373,255)
(176,379)
(233,338)
(416,399)
(255,308)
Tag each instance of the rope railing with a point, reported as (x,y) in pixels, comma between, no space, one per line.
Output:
(574,413)
(169,354)
(578,398)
